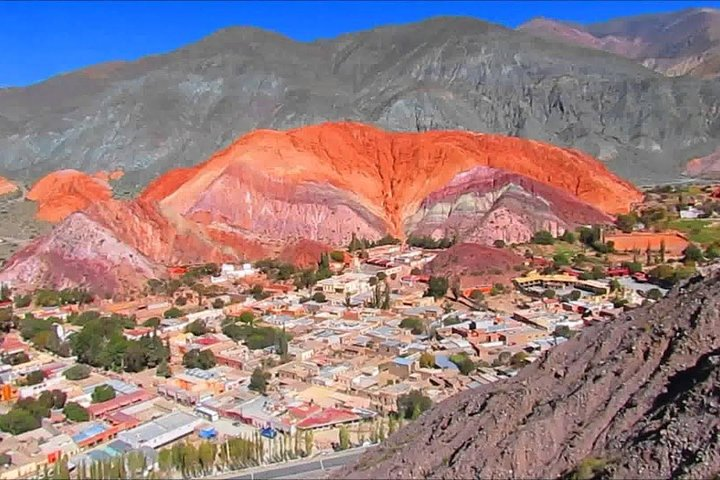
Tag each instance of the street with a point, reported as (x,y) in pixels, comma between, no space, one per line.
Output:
(315,467)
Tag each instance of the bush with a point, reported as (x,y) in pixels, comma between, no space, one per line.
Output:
(337,256)
(633,267)
(173,312)
(437,287)
(463,362)
(414,324)
(563,331)
(75,412)
(575,295)
(319,297)
(519,359)
(34,378)
(654,294)
(693,253)
(103,393)
(197,328)
(499,243)
(218,303)
(568,237)
(196,359)
(411,405)
(259,380)
(22,301)
(16,358)
(77,372)
(543,237)
(548,293)
(152,322)
(427,360)
(181,301)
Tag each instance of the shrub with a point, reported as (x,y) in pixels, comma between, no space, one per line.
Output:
(103,393)
(75,412)
(77,372)
(543,237)
(414,324)
(173,312)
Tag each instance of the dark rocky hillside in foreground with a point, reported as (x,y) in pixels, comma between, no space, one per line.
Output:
(635,398)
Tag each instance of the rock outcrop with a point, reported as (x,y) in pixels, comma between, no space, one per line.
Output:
(6,186)
(633,398)
(321,184)
(66,191)
(165,111)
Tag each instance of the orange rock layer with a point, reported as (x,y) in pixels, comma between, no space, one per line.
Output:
(6,186)
(391,173)
(66,191)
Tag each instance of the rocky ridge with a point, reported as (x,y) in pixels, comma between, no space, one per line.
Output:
(634,398)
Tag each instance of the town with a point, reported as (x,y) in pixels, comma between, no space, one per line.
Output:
(220,367)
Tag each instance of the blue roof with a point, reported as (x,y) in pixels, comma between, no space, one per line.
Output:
(89,432)
(444,362)
(403,361)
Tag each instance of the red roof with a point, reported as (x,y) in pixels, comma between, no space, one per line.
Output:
(98,409)
(207,341)
(12,343)
(304,411)
(328,416)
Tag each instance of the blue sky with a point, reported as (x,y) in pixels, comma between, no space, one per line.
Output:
(43,39)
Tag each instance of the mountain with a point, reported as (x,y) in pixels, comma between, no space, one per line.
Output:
(63,192)
(167,111)
(6,186)
(631,398)
(326,183)
(677,43)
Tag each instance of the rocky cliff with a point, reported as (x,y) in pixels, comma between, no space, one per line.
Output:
(326,182)
(632,398)
(170,110)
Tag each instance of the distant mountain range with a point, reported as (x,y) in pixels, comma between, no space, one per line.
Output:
(674,44)
(174,110)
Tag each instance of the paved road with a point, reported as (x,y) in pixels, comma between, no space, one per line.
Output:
(315,467)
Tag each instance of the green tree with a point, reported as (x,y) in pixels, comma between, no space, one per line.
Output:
(344,438)
(463,362)
(23,301)
(259,380)
(519,359)
(77,372)
(35,377)
(615,285)
(414,324)
(173,312)
(153,322)
(203,360)
(75,412)
(654,294)
(427,360)
(412,404)
(102,393)
(543,237)
(548,293)
(693,253)
(575,295)
(163,370)
(197,328)
(218,303)
(568,237)
(626,222)
(437,287)
(319,297)
(499,243)
(309,442)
